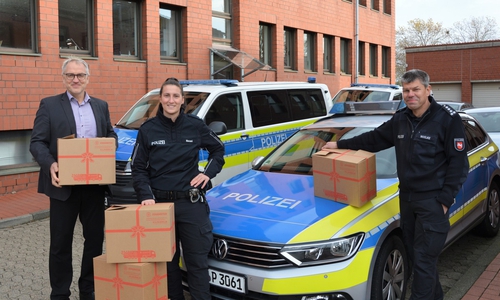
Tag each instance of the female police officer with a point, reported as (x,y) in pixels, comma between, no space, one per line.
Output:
(165,169)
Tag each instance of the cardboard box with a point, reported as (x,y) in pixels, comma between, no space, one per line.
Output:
(140,233)
(130,281)
(86,161)
(345,176)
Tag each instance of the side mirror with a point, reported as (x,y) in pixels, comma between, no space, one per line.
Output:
(218,127)
(257,161)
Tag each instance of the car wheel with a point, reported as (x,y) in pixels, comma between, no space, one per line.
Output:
(390,271)
(490,225)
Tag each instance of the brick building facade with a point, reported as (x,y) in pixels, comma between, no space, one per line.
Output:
(31,70)
(467,72)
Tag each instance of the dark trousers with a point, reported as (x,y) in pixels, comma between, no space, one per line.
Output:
(87,203)
(193,229)
(425,228)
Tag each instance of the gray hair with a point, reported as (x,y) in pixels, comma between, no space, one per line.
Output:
(412,75)
(78,60)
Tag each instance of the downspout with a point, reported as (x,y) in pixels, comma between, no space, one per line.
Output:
(356,42)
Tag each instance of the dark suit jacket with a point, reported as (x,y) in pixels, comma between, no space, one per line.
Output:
(54,119)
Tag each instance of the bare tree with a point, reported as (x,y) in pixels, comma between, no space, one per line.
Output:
(417,33)
(474,29)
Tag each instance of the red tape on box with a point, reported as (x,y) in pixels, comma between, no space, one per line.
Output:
(139,232)
(118,283)
(87,157)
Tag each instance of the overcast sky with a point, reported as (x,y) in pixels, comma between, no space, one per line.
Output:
(446,12)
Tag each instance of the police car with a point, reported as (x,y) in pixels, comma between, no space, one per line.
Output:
(367,92)
(251,118)
(273,239)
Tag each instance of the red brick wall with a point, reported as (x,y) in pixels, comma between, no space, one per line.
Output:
(460,63)
(25,79)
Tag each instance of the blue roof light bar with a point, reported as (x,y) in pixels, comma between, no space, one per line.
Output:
(392,86)
(227,82)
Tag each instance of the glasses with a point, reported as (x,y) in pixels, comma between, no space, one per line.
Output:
(71,76)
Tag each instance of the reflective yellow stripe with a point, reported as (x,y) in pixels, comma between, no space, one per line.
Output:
(343,217)
(355,273)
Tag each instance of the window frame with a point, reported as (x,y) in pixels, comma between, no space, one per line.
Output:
(265,43)
(178,31)
(310,45)
(226,16)
(345,55)
(137,34)
(386,56)
(373,60)
(361,58)
(328,60)
(289,43)
(8,26)
(90,51)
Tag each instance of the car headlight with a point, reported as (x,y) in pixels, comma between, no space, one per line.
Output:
(323,252)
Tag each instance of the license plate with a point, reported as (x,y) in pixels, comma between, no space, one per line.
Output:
(228,281)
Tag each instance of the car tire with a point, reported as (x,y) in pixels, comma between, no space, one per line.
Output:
(491,222)
(391,271)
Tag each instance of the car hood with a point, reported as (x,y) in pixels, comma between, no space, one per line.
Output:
(126,142)
(270,207)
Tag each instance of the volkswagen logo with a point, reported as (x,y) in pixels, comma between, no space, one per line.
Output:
(220,249)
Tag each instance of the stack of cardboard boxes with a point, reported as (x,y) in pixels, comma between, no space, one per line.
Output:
(140,239)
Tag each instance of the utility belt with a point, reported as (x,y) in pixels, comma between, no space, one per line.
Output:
(194,195)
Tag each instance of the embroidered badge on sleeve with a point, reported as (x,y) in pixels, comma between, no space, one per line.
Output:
(459,144)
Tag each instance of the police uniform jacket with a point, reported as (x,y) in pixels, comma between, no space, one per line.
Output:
(166,154)
(431,152)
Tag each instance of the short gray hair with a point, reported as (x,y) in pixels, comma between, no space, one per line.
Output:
(78,60)
(412,75)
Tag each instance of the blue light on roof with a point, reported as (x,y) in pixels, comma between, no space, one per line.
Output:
(392,86)
(227,82)
(311,79)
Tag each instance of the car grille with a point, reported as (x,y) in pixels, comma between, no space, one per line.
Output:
(122,178)
(253,254)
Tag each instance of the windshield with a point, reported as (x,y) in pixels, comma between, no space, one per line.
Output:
(147,107)
(361,96)
(294,156)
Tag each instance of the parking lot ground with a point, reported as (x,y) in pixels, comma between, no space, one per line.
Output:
(482,281)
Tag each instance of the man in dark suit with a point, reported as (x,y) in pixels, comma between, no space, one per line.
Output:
(72,112)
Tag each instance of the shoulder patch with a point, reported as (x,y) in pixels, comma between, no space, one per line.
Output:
(449,110)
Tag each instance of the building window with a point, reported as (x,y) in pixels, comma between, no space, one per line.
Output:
(126,28)
(361,58)
(387,6)
(17,25)
(221,21)
(265,43)
(75,26)
(362,3)
(309,51)
(289,43)
(328,56)
(375,4)
(373,60)
(345,56)
(386,58)
(170,33)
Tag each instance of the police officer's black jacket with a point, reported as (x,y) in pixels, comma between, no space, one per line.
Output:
(166,154)
(430,151)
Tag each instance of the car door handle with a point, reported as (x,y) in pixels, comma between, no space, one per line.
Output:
(244,136)
(483,160)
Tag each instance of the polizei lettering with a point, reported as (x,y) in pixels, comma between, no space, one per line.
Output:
(268,200)
(272,140)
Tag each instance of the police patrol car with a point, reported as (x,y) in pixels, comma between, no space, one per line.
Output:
(368,92)
(273,239)
(257,116)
